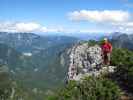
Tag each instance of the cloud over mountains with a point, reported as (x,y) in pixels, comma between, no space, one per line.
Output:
(99,16)
(25,27)
(107,20)
(122,20)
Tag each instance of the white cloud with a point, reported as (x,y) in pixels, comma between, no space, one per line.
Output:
(26,27)
(99,16)
(124,26)
(53,29)
(115,20)
(43,29)
(19,26)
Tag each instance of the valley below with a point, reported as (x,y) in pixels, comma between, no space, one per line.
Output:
(34,66)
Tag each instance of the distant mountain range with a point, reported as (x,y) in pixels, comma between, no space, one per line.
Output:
(121,40)
(29,42)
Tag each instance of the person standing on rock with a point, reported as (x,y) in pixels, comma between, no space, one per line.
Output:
(106,51)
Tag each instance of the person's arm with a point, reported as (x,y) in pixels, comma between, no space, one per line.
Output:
(110,48)
(102,53)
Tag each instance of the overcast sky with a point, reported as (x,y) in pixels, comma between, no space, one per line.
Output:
(66,16)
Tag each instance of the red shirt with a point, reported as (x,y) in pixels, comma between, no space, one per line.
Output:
(107,47)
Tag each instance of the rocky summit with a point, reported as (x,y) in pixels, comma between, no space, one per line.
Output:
(85,60)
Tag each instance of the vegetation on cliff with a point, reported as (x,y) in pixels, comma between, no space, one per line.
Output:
(110,87)
(90,88)
(123,59)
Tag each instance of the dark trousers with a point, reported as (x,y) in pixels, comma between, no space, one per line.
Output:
(106,58)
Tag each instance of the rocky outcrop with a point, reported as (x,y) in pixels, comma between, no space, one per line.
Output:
(85,60)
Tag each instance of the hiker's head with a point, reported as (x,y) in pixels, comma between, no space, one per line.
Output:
(105,40)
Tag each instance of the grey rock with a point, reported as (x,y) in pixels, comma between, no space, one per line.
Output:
(86,60)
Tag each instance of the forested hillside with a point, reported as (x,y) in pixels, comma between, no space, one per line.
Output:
(33,63)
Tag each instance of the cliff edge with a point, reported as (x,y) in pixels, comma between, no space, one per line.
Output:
(85,60)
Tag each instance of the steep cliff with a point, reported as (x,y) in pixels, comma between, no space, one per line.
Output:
(85,60)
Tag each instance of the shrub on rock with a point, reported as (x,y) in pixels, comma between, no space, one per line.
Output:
(90,88)
(123,59)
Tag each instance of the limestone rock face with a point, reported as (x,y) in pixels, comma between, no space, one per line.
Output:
(85,60)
